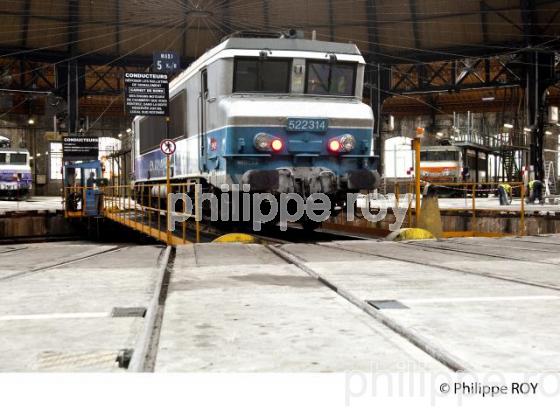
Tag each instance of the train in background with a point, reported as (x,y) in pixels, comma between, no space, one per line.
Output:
(451,163)
(278,113)
(15,173)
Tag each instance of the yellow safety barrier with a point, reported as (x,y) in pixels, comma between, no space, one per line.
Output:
(409,234)
(236,238)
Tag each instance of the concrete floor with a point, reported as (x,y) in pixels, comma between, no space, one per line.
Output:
(55,309)
(487,322)
(241,308)
(490,303)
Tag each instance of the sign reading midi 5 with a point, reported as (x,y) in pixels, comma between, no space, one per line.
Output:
(146,94)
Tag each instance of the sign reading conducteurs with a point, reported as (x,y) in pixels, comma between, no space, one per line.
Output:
(146,94)
(80,148)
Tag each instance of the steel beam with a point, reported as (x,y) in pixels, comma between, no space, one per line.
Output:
(118,27)
(484,21)
(266,13)
(331,20)
(452,76)
(373,32)
(186,5)
(414,20)
(55,57)
(25,22)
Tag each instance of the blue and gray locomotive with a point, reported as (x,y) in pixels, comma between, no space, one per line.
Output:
(282,115)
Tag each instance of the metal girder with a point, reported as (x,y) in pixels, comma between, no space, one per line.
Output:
(415,28)
(266,13)
(57,57)
(373,32)
(184,27)
(30,76)
(73,27)
(529,20)
(331,20)
(484,21)
(25,22)
(452,76)
(226,22)
(118,26)
(101,77)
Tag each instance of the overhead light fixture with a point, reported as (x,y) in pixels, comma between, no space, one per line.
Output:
(548,132)
(439,134)
(508,126)
(129,130)
(488,99)
(527,129)
(199,13)
(31,121)
(38,154)
(120,135)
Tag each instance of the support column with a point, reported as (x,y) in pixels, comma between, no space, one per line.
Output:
(379,83)
(539,76)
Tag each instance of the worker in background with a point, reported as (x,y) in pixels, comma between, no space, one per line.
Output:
(536,190)
(505,193)
(465,173)
(91,180)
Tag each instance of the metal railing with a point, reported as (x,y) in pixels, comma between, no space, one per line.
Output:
(143,207)
(471,192)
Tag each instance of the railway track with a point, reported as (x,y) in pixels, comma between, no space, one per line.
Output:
(436,352)
(435,265)
(62,262)
(144,356)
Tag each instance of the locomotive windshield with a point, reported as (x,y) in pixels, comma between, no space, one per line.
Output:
(439,156)
(262,75)
(18,159)
(325,78)
(2,158)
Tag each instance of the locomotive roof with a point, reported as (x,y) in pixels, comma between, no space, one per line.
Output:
(288,44)
(440,148)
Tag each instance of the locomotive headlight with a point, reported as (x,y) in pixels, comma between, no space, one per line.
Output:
(347,142)
(334,145)
(277,145)
(262,141)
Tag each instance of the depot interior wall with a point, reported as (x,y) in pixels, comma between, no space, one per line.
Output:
(38,136)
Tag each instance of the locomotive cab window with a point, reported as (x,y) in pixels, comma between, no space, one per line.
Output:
(327,78)
(18,159)
(262,75)
(3,158)
(177,115)
(152,131)
(439,156)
